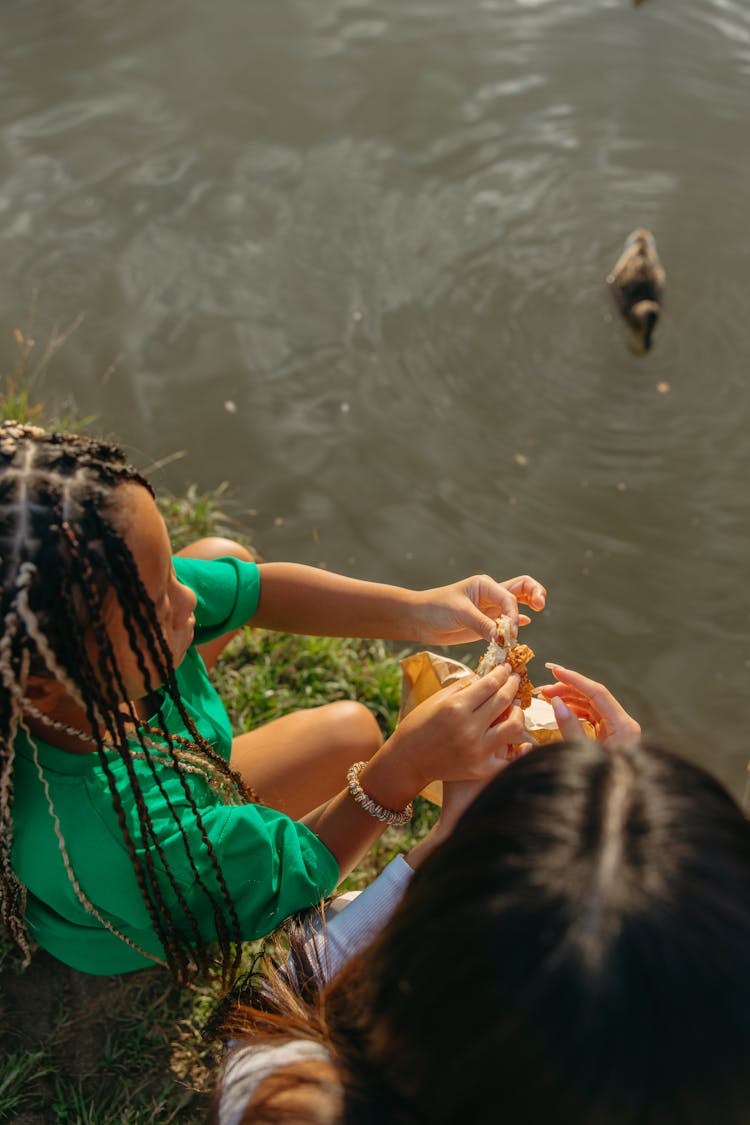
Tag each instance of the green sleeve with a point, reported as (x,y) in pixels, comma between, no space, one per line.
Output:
(272,867)
(227,589)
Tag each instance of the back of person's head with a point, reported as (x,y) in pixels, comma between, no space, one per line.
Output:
(577,951)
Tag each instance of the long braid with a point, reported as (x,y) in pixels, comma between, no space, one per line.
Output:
(79,892)
(135,612)
(89,687)
(147,878)
(12,891)
(93,712)
(57,492)
(136,601)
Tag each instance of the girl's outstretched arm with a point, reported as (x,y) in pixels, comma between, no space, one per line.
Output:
(303,599)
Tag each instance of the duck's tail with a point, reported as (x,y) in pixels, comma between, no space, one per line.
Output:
(645,315)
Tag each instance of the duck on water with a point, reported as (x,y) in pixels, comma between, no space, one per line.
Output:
(637,285)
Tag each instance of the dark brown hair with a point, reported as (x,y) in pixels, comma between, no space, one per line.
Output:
(577,951)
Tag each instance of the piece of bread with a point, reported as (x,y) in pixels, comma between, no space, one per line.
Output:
(505,650)
(497,650)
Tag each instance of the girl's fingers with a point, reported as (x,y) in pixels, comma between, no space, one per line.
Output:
(492,597)
(527,591)
(591,689)
(602,700)
(570,728)
(482,690)
(582,688)
(509,731)
(549,691)
(497,703)
(460,684)
(593,701)
(487,697)
(524,747)
(578,704)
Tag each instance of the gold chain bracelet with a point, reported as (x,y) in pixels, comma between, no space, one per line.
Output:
(387,816)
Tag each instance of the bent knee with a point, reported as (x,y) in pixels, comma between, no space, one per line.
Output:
(216,547)
(358,727)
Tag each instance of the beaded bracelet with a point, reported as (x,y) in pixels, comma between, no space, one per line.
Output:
(387,816)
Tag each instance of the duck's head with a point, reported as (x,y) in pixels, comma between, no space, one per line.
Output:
(641,239)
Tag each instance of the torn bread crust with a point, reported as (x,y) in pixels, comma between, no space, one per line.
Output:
(505,649)
(497,650)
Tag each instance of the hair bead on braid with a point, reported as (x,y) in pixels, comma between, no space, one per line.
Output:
(59,519)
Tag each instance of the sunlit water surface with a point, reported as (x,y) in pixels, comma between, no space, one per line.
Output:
(350,256)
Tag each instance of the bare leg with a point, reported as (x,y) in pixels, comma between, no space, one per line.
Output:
(215,547)
(297,762)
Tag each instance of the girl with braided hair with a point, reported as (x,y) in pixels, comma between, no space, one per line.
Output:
(130,831)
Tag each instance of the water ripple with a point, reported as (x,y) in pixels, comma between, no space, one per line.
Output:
(382,232)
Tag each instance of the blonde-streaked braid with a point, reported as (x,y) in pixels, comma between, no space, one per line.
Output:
(80,894)
(13,896)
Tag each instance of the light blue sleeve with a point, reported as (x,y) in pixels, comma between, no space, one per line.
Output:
(360,917)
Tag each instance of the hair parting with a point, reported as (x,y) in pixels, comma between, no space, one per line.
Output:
(591,911)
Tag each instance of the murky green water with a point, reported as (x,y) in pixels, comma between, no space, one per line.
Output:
(350,256)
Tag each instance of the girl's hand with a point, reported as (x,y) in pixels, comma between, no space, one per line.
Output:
(461,732)
(574,694)
(466,610)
